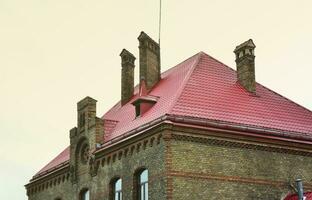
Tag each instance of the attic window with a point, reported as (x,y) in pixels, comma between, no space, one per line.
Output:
(143,104)
(137,111)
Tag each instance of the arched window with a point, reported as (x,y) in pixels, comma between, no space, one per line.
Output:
(142,185)
(116,189)
(85,195)
(143,180)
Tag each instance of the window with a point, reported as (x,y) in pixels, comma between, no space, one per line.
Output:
(85,195)
(143,185)
(137,110)
(140,184)
(117,189)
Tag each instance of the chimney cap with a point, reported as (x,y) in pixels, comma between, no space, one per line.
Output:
(125,52)
(143,36)
(87,99)
(248,43)
(127,58)
(85,102)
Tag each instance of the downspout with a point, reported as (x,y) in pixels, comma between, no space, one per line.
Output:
(300,189)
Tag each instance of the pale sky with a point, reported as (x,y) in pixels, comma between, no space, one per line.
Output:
(55,52)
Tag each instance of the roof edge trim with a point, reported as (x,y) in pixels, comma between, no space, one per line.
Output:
(47,173)
(280,134)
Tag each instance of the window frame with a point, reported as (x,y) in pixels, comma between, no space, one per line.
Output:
(113,190)
(143,184)
(139,184)
(119,191)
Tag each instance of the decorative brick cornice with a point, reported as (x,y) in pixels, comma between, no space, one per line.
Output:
(124,150)
(240,144)
(49,181)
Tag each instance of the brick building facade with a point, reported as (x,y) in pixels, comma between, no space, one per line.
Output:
(197,131)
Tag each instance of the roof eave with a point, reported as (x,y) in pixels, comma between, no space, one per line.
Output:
(49,172)
(243,129)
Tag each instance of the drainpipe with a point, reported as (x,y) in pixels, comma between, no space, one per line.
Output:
(299,189)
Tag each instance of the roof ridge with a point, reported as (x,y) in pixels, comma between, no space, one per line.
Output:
(287,99)
(261,84)
(219,61)
(178,65)
(188,75)
(111,108)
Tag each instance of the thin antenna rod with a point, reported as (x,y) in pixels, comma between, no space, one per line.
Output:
(159,22)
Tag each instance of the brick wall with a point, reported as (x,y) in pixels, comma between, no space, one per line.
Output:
(202,169)
(120,161)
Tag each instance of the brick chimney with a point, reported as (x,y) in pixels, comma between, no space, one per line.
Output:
(127,76)
(245,65)
(149,60)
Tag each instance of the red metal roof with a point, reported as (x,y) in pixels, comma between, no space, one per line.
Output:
(56,162)
(202,87)
(307,195)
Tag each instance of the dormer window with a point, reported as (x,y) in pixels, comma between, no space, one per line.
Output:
(144,102)
(137,111)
